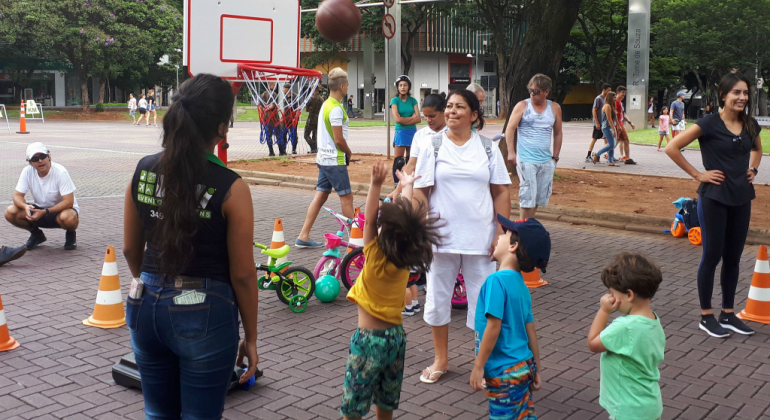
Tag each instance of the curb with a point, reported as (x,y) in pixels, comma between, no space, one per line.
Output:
(571,215)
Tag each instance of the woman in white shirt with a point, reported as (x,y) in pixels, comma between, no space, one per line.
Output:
(466,185)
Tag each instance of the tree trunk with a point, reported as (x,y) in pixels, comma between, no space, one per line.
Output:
(543,47)
(102,82)
(86,105)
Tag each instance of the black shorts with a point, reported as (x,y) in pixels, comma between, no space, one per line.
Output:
(414,278)
(142,110)
(49,220)
(597,134)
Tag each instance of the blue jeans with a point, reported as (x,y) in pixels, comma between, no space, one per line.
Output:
(186,352)
(610,147)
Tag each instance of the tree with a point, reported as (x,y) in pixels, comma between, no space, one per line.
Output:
(601,34)
(413,17)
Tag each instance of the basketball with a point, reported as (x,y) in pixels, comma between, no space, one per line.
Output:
(338,20)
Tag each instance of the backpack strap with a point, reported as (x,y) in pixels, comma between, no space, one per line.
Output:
(437,139)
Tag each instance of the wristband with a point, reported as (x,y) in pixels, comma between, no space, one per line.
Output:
(46,212)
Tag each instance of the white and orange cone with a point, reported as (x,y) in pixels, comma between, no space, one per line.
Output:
(356,236)
(533,279)
(108,310)
(758,303)
(22,120)
(278,240)
(6,341)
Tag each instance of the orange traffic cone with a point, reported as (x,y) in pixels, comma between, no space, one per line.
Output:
(23,122)
(758,303)
(533,279)
(278,240)
(6,341)
(108,310)
(356,236)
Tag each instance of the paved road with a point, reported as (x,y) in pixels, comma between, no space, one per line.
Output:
(62,369)
(101,155)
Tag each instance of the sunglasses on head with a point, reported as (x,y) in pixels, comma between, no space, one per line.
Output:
(738,144)
(36,159)
(534,91)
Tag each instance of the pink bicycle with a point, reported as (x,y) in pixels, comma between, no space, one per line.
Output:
(346,269)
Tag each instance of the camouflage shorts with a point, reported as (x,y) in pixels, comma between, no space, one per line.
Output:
(374,371)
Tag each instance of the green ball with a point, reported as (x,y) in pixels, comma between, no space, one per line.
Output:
(327,288)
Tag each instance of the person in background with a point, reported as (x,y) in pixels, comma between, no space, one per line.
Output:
(609,129)
(724,197)
(8,254)
(479,92)
(53,194)
(537,119)
(151,108)
(663,127)
(676,113)
(313,108)
(188,230)
(351,113)
(273,124)
(597,119)
(406,113)
(288,134)
(465,182)
(632,346)
(507,354)
(332,159)
(651,111)
(143,110)
(132,107)
(625,144)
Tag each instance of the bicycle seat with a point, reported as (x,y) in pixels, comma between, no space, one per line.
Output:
(277,253)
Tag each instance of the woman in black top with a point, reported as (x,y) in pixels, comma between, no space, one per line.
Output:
(188,229)
(151,108)
(731,150)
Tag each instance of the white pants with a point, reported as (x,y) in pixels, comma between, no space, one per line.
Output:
(441,284)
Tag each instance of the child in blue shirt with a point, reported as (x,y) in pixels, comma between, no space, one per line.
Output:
(507,355)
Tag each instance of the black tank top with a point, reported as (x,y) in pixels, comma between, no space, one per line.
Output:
(210,258)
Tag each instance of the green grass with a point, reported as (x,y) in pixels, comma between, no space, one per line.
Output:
(282,159)
(15,114)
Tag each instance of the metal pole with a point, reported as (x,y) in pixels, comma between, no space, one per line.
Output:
(177,77)
(387,80)
(477,60)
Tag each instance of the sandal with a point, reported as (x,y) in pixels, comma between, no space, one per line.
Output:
(613,164)
(595,158)
(428,379)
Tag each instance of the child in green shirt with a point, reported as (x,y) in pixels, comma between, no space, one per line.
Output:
(632,346)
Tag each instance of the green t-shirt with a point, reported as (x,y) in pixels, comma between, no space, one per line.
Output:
(629,387)
(405,109)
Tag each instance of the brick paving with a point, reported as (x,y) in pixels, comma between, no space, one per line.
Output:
(62,369)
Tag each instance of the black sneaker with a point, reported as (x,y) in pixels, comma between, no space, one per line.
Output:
(70,241)
(709,324)
(35,238)
(8,254)
(731,322)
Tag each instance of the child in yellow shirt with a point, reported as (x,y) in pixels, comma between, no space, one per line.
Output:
(375,366)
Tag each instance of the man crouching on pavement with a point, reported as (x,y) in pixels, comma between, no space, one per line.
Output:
(53,194)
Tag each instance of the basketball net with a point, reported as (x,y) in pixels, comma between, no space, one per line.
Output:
(279,113)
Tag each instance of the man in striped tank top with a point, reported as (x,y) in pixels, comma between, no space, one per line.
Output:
(538,121)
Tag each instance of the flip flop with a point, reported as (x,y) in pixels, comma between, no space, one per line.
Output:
(428,380)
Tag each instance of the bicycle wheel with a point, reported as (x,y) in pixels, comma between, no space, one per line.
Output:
(351,267)
(296,281)
(327,265)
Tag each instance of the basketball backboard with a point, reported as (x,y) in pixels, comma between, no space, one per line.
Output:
(219,34)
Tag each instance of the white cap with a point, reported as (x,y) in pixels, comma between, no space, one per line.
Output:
(36,148)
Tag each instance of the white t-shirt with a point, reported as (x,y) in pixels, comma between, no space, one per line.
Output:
(132,104)
(333,114)
(460,177)
(422,139)
(48,190)
(142,103)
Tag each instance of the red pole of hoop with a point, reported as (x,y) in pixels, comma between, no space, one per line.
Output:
(222,146)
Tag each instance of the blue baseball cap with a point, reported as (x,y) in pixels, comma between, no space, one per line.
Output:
(680,93)
(533,236)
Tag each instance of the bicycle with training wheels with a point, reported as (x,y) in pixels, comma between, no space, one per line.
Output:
(345,269)
(293,284)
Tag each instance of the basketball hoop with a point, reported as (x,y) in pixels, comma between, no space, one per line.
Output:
(279,113)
